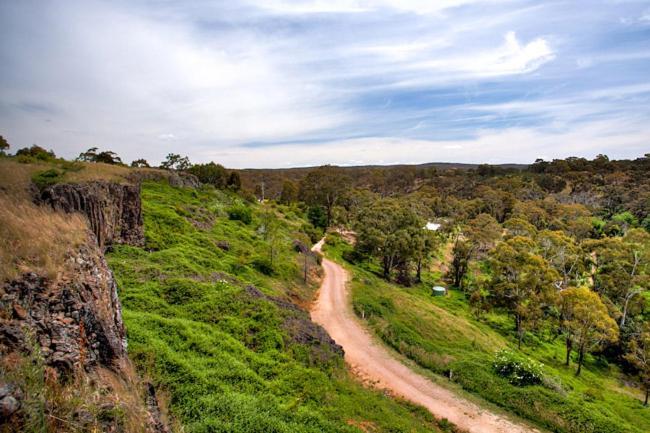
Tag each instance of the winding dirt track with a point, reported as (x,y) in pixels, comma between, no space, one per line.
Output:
(373,363)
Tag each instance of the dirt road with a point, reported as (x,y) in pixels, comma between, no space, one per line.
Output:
(372,362)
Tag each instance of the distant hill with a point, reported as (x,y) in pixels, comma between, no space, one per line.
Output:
(362,175)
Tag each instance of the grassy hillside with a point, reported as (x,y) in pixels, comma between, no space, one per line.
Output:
(442,335)
(226,355)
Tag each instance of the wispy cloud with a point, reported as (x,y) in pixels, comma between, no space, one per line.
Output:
(145,77)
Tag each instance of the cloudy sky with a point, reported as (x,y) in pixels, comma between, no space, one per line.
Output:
(275,83)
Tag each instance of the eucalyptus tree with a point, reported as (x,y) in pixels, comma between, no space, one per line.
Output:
(585,322)
(522,281)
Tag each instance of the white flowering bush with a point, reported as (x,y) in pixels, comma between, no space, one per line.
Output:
(518,370)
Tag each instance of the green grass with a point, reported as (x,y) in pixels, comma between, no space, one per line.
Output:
(221,354)
(441,334)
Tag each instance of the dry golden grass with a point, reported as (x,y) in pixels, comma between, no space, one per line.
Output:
(107,399)
(15,178)
(91,171)
(35,238)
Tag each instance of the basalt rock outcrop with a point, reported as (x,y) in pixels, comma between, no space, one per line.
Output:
(76,322)
(301,329)
(73,324)
(114,210)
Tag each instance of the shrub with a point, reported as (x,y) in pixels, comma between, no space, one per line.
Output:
(240,213)
(46,178)
(314,233)
(211,173)
(593,394)
(34,154)
(263,265)
(317,216)
(519,371)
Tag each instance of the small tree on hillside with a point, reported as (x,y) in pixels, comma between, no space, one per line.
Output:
(462,252)
(586,322)
(4,145)
(140,163)
(639,355)
(106,157)
(234,181)
(270,229)
(174,161)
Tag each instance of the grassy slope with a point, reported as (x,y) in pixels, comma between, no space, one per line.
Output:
(441,334)
(221,355)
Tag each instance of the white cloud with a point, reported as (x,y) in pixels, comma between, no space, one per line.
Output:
(510,58)
(201,77)
(118,76)
(420,7)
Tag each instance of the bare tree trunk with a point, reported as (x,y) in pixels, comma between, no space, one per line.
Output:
(305,267)
(387,267)
(647,391)
(569,347)
(628,298)
(581,358)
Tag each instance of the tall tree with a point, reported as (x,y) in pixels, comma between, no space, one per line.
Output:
(620,270)
(586,322)
(140,163)
(289,193)
(478,236)
(174,161)
(106,156)
(522,281)
(563,254)
(390,230)
(323,187)
(270,229)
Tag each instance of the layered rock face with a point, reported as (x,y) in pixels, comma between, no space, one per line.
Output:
(77,322)
(114,211)
(74,324)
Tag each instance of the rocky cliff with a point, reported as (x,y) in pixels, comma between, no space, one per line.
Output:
(63,360)
(113,210)
(76,322)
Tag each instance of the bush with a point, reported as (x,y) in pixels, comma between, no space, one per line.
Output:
(240,213)
(519,371)
(315,234)
(353,256)
(263,265)
(46,178)
(34,154)
(317,216)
